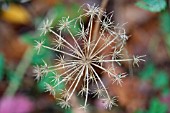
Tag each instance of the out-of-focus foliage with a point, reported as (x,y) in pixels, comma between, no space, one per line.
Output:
(10,75)
(165,21)
(152,5)
(155,107)
(148,71)
(165,25)
(30,39)
(2,65)
(60,11)
(37,59)
(47,79)
(160,81)
(159,78)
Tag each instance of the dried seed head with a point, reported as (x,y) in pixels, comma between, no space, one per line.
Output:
(77,63)
(46,26)
(39,45)
(109,102)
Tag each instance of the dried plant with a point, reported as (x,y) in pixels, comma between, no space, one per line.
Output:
(78,62)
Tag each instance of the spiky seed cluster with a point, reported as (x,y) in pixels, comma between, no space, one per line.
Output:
(80,61)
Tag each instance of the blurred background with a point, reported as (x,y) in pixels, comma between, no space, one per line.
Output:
(146,91)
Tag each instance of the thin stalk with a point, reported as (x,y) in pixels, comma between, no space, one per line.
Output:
(19,73)
(61,52)
(87,76)
(64,40)
(101,82)
(97,25)
(119,60)
(82,54)
(67,76)
(81,74)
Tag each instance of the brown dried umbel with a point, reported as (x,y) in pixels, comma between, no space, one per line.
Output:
(81,60)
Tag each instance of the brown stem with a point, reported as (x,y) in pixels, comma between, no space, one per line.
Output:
(97,24)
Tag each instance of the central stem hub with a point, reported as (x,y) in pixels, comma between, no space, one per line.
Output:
(86,61)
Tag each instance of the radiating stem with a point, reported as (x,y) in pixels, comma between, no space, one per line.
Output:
(101,82)
(82,54)
(104,47)
(58,65)
(77,82)
(104,69)
(87,76)
(96,43)
(63,67)
(61,52)
(67,76)
(90,34)
(67,71)
(64,40)
(118,60)
(97,24)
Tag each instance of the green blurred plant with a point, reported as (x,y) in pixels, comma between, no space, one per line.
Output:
(165,22)
(2,66)
(165,27)
(155,106)
(152,5)
(160,81)
(17,76)
(158,78)
(61,10)
(159,6)
(29,38)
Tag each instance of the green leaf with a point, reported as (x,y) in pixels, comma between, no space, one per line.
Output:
(140,111)
(68,111)
(165,22)
(44,53)
(165,27)
(30,38)
(47,79)
(152,5)
(161,80)
(2,65)
(166,91)
(157,107)
(10,74)
(62,10)
(148,71)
